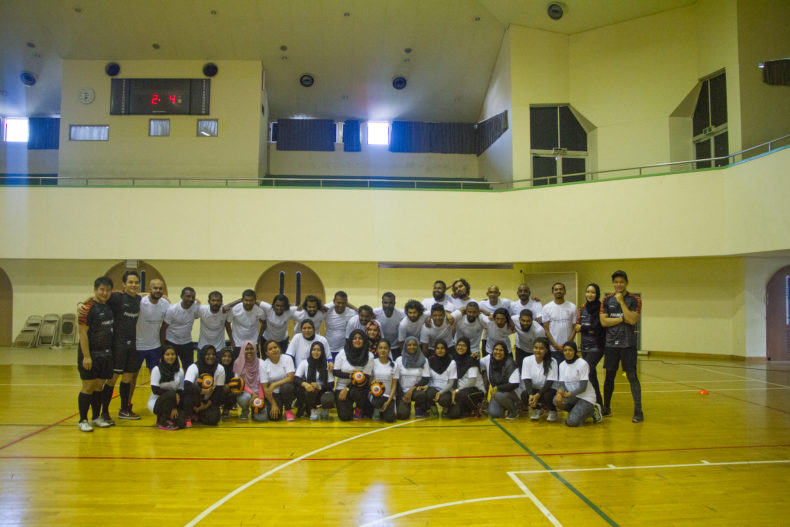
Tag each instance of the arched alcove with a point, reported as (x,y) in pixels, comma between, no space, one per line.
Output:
(293,279)
(6,309)
(146,271)
(777,315)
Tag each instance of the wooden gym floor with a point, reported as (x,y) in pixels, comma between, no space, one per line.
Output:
(717,459)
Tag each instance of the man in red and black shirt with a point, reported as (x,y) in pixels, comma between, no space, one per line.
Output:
(620,312)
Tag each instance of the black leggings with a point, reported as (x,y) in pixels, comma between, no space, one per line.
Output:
(545,401)
(164,406)
(593,357)
(356,396)
(424,398)
(192,398)
(467,400)
(388,414)
(306,401)
(284,399)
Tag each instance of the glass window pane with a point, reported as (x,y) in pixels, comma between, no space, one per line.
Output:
(16,130)
(89,133)
(702,152)
(701,118)
(721,147)
(572,135)
(543,127)
(544,171)
(207,128)
(378,133)
(159,127)
(573,165)
(718,100)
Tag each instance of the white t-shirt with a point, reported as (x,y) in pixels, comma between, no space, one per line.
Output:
(272,372)
(439,380)
(244,324)
(503,303)
(276,325)
(179,323)
(561,318)
(530,369)
(192,375)
(525,339)
(150,322)
(516,307)
(335,324)
(176,384)
(300,316)
(212,328)
(342,364)
(299,348)
(407,328)
(457,303)
(408,377)
(301,371)
(471,330)
(432,334)
(389,325)
(354,323)
(494,334)
(472,378)
(385,373)
(573,374)
(430,301)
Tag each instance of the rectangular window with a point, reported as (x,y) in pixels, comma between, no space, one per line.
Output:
(15,130)
(378,133)
(273,130)
(81,132)
(207,128)
(159,127)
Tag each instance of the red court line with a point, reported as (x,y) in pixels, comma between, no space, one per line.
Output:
(424,458)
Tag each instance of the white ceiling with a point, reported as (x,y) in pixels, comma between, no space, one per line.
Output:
(354,48)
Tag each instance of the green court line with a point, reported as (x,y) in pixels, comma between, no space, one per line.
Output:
(562,480)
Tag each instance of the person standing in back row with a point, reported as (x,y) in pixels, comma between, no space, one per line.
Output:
(559,317)
(620,312)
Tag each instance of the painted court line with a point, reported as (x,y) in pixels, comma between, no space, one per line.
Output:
(442,505)
(733,375)
(549,516)
(265,475)
(703,463)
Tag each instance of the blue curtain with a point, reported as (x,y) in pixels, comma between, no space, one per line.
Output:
(43,133)
(410,136)
(306,134)
(454,138)
(351,137)
(490,130)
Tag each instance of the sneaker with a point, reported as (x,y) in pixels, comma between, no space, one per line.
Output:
(189,423)
(128,414)
(324,414)
(167,426)
(99,422)
(314,414)
(358,414)
(289,415)
(606,411)
(108,419)
(597,417)
(511,416)
(552,416)
(85,426)
(534,414)
(638,417)
(244,416)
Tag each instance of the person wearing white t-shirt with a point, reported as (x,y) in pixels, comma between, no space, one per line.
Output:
(499,329)
(246,321)
(278,314)
(493,302)
(468,394)
(559,320)
(527,330)
(438,329)
(177,327)
(444,376)
(153,308)
(502,376)
(335,322)
(311,309)
(313,383)
(439,297)
(388,316)
(299,347)
(212,322)
(167,384)
(471,324)
(460,298)
(355,356)
(200,403)
(526,302)
(361,320)
(540,374)
(576,395)
(386,372)
(278,382)
(412,323)
(413,375)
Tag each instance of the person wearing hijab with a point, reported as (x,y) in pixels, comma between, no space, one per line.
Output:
(540,372)
(313,382)
(373,331)
(355,356)
(278,382)
(301,343)
(227,398)
(385,371)
(588,325)
(444,377)
(250,368)
(468,395)
(575,395)
(202,404)
(413,375)
(503,380)
(167,386)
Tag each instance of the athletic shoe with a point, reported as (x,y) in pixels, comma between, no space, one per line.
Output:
(314,414)
(99,422)
(597,417)
(244,416)
(638,417)
(128,414)
(377,415)
(324,414)
(85,426)
(511,416)
(289,415)
(534,414)
(418,412)
(552,416)
(189,423)
(358,414)
(168,426)
(606,411)
(108,419)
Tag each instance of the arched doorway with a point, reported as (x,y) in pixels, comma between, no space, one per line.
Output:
(292,279)
(6,309)
(777,315)
(146,271)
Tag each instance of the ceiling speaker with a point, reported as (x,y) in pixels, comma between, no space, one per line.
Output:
(210,69)
(399,83)
(556,10)
(27,78)
(112,69)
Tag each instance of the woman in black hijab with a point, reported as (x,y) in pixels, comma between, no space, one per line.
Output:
(588,325)
(351,396)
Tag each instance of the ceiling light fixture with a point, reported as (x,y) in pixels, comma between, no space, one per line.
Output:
(399,83)
(306,80)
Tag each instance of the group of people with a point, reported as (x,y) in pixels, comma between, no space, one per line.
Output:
(448,354)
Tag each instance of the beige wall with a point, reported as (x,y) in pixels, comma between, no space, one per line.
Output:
(130,152)
(15,158)
(496,163)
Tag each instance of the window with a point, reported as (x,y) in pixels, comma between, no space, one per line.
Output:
(273,128)
(558,145)
(207,128)
(159,127)
(709,123)
(80,132)
(15,130)
(378,133)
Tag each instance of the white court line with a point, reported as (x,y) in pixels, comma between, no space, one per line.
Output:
(265,475)
(442,505)
(712,388)
(643,467)
(733,375)
(681,381)
(40,384)
(549,516)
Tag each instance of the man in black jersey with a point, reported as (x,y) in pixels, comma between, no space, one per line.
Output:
(94,352)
